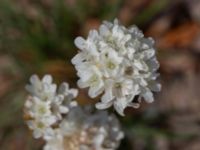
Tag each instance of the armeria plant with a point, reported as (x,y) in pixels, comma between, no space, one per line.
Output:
(116,63)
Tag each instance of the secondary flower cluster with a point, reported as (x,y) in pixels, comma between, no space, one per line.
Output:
(46,105)
(86,130)
(118,62)
(52,115)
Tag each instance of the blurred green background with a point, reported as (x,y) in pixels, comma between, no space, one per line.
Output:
(36,36)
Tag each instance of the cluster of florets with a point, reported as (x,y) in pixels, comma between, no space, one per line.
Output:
(85,130)
(118,62)
(46,105)
(53,115)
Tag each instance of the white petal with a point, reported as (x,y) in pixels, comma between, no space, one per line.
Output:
(30,124)
(117,32)
(107,96)
(108,24)
(120,136)
(34,80)
(48,134)
(74,92)
(37,133)
(63,88)
(73,104)
(78,58)
(79,42)
(101,105)
(147,43)
(116,21)
(93,34)
(134,105)
(142,82)
(126,38)
(98,140)
(47,79)
(28,102)
(140,65)
(93,50)
(156,87)
(104,31)
(148,96)
(53,88)
(120,105)
(36,100)
(153,64)
(86,75)
(147,54)
(93,92)
(63,109)
(82,84)
(50,120)
(58,99)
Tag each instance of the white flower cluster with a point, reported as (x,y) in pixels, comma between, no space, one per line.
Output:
(46,105)
(83,130)
(52,115)
(118,62)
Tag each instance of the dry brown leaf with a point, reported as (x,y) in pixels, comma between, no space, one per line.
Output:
(180,37)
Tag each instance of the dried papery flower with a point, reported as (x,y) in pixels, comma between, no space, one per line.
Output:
(118,62)
(64,125)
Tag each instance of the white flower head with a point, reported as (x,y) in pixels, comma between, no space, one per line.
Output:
(118,62)
(105,129)
(46,106)
(83,130)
